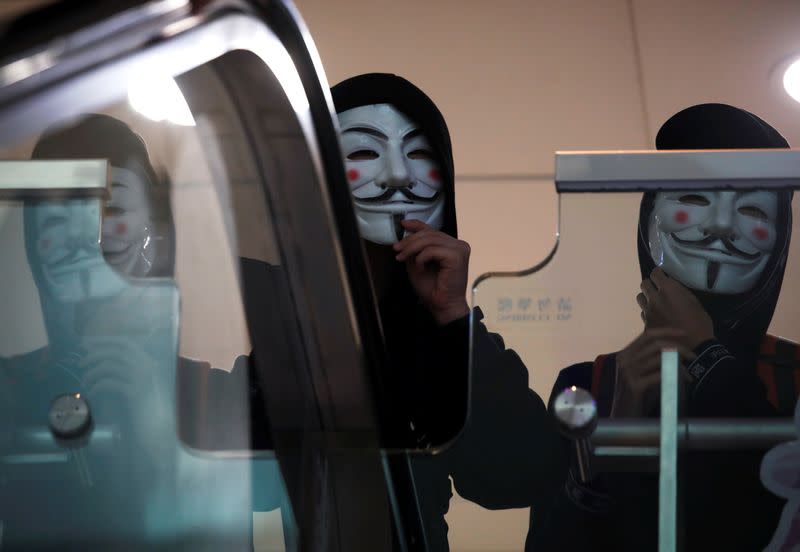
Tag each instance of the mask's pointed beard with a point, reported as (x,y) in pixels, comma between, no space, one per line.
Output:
(711,274)
(399,231)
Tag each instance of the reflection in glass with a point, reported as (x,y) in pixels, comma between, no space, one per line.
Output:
(103,272)
(159,98)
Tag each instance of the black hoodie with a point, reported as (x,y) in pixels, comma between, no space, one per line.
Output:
(725,506)
(425,362)
(508,454)
(740,321)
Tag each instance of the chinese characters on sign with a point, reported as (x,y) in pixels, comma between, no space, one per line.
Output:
(544,308)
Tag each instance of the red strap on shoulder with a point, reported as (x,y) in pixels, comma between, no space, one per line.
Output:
(769,345)
(597,372)
(766,369)
(766,372)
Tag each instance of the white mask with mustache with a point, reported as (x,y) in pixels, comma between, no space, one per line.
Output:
(65,250)
(714,241)
(127,232)
(392,171)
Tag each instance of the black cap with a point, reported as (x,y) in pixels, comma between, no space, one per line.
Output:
(717,126)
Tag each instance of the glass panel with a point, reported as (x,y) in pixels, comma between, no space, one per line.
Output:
(579,319)
(125,354)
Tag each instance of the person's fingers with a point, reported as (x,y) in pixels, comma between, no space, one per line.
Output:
(414,225)
(659,277)
(657,346)
(640,366)
(648,382)
(421,241)
(663,333)
(670,287)
(640,360)
(436,253)
(653,341)
(431,240)
(683,351)
(424,234)
(641,300)
(410,238)
(653,334)
(649,290)
(648,361)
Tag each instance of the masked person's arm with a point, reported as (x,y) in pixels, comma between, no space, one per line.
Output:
(509,455)
(719,384)
(722,385)
(221,411)
(578,513)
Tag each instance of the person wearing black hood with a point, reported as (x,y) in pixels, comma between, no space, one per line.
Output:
(712,263)
(399,164)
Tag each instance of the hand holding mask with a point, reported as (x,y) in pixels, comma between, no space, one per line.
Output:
(124,382)
(674,319)
(437,268)
(665,303)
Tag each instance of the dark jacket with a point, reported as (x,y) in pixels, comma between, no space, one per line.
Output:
(745,374)
(486,462)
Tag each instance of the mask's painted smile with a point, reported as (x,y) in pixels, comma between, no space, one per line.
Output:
(392,171)
(714,241)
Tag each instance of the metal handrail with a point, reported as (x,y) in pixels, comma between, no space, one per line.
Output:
(697,433)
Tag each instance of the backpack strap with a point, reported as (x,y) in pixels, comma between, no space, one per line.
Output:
(779,368)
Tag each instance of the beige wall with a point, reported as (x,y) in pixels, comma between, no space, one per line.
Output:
(518,80)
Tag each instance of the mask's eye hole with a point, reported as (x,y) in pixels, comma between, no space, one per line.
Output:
(363,155)
(694,199)
(752,211)
(112,211)
(421,154)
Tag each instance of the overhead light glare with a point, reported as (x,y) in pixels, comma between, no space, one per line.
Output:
(159,98)
(791,80)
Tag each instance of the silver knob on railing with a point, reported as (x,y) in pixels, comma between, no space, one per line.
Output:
(575,412)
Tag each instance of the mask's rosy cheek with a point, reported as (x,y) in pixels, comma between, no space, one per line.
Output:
(681,217)
(435,175)
(121,228)
(44,244)
(353,175)
(760,233)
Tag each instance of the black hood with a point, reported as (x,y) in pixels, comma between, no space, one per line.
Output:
(741,320)
(409,330)
(99,136)
(385,88)
(94,136)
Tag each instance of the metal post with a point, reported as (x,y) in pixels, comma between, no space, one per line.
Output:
(668,466)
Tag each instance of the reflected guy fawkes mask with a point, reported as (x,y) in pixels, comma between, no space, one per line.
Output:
(392,172)
(713,241)
(64,250)
(127,232)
